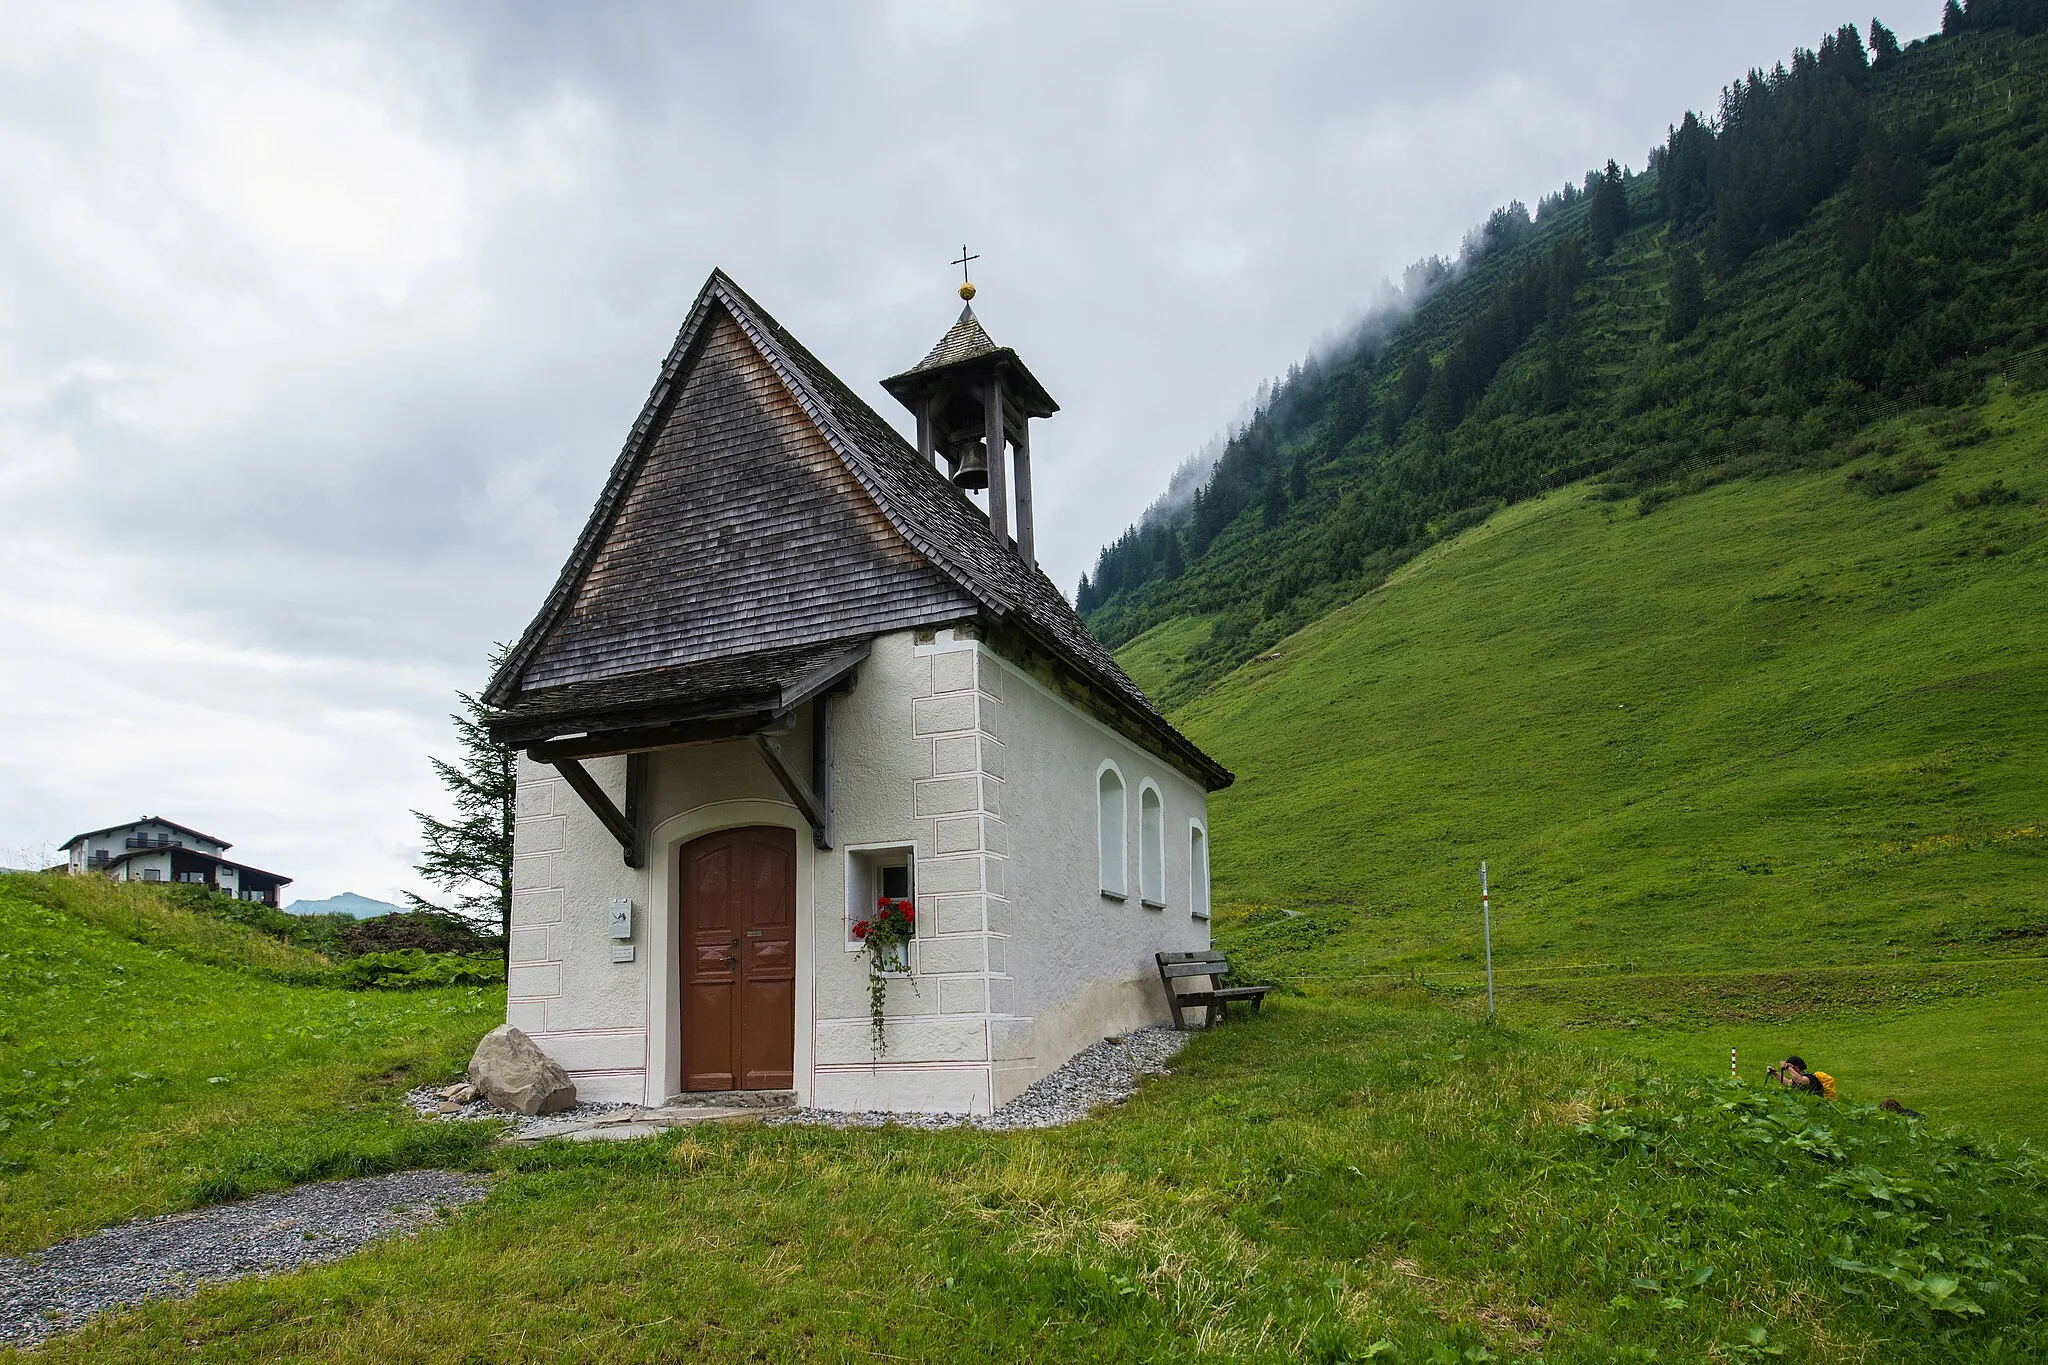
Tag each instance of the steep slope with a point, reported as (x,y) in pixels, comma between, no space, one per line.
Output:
(1838,245)
(1779,720)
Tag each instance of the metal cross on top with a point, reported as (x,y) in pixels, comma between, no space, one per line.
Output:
(966,285)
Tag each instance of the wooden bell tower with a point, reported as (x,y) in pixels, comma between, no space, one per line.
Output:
(974,401)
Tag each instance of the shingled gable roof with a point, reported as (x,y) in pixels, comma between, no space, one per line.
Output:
(950,534)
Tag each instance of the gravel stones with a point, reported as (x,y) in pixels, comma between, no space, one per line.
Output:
(510,1069)
(60,1288)
(429,1103)
(1101,1073)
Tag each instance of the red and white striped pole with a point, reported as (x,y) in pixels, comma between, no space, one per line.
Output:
(1486,917)
(1731,1064)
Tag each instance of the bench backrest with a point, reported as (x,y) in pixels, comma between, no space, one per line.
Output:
(1173,965)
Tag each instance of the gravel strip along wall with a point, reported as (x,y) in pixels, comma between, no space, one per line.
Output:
(60,1288)
(1101,1073)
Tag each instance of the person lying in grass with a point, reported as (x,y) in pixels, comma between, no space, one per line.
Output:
(1793,1075)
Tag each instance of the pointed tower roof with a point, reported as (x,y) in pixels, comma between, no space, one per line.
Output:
(967,353)
(966,339)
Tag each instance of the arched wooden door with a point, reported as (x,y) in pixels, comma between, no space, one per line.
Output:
(738,945)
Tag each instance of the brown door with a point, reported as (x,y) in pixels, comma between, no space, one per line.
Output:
(739,960)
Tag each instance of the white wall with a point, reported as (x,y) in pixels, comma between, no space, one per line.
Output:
(1081,963)
(115,842)
(1019,960)
(135,869)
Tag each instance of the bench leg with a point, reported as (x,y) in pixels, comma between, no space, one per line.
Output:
(1219,1013)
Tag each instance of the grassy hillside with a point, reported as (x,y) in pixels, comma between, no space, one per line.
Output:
(1852,242)
(1787,722)
(152,1058)
(1331,1182)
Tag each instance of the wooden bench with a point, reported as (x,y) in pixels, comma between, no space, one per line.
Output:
(1179,966)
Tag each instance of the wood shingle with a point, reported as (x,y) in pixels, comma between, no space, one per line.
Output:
(760,507)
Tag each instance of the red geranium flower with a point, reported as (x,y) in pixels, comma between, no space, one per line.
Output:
(860,930)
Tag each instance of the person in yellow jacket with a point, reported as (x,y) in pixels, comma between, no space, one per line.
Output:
(1792,1074)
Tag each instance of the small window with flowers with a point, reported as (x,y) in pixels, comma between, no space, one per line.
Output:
(881,910)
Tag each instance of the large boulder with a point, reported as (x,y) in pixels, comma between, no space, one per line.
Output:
(513,1073)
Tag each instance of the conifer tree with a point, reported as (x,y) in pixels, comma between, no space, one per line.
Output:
(1688,296)
(1174,564)
(1884,45)
(1952,20)
(1610,210)
(1273,499)
(472,858)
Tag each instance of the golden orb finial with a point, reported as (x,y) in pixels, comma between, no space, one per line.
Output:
(966,285)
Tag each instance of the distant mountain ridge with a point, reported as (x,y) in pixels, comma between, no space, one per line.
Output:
(1846,238)
(347,903)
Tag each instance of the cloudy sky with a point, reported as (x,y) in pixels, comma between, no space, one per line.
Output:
(320,324)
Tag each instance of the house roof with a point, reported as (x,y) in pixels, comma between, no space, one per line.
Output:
(962,569)
(133,853)
(145,820)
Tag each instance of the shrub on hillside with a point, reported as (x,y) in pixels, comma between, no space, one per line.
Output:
(1993,494)
(425,930)
(1927,1225)
(409,968)
(1879,480)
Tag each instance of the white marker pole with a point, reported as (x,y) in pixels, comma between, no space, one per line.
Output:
(1731,1064)
(1486,916)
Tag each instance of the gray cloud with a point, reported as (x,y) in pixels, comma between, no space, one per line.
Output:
(324,322)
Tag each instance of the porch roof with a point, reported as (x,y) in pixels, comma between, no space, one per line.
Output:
(675,705)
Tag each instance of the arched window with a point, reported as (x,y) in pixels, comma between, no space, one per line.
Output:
(1198,871)
(1109,820)
(1151,846)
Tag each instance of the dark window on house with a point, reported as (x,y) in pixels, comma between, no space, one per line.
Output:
(896,881)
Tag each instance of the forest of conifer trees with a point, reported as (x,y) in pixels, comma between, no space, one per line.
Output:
(1866,224)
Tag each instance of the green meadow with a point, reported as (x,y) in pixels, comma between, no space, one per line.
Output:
(154,1059)
(1763,766)
(1334,1180)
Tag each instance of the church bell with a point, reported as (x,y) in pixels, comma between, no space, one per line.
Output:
(973,470)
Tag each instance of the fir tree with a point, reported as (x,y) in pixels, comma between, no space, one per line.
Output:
(1952,20)
(1557,377)
(1610,211)
(472,858)
(1688,296)
(1174,564)
(1273,499)
(1410,386)
(1884,45)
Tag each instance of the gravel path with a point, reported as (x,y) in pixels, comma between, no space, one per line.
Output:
(60,1288)
(1101,1073)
